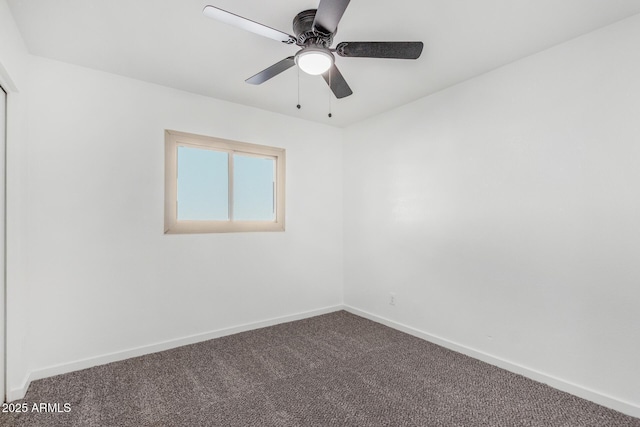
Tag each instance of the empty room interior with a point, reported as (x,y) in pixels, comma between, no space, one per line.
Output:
(320,212)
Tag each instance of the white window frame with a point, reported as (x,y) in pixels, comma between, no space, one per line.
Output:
(175,139)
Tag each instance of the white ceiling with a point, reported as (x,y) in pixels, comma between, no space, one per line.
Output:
(170,42)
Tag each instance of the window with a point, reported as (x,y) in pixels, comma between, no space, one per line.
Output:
(214,185)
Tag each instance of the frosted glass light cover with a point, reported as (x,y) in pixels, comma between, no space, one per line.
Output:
(314,62)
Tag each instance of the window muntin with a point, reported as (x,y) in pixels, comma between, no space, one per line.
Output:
(215,185)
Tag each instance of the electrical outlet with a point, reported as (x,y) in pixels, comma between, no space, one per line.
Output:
(392,298)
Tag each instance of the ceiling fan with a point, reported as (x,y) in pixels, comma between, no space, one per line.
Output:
(314,30)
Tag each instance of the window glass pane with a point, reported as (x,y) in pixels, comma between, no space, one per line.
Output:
(203,184)
(253,188)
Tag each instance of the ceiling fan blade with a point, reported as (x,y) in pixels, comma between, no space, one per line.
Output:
(247,24)
(329,14)
(396,50)
(272,71)
(337,83)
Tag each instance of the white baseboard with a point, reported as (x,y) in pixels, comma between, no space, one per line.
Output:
(20,391)
(555,382)
(50,371)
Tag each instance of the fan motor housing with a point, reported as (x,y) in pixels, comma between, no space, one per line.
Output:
(306,34)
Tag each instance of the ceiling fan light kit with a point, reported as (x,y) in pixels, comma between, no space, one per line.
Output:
(314,31)
(314,60)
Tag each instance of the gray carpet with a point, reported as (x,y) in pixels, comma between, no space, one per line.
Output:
(332,370)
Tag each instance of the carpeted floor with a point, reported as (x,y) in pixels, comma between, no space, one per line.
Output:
(332,370)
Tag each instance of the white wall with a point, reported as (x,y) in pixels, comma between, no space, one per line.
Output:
(103,276)
(504,213)
(13,65)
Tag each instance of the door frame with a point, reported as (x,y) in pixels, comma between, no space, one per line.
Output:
(3,243)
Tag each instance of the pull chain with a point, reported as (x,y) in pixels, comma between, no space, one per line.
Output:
(298,106)
(330,92)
